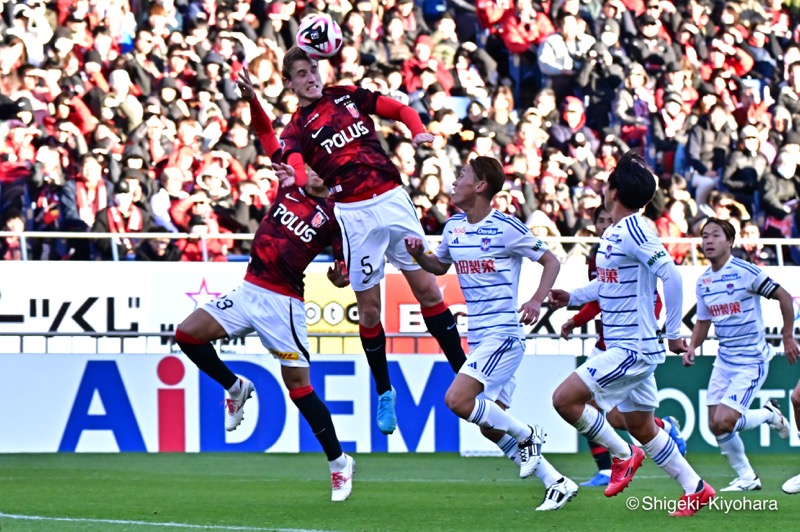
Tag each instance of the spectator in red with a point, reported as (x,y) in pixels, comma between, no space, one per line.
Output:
(422,60)
(725,54)
(192,247)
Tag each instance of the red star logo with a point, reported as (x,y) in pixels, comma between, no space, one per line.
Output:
(202,296)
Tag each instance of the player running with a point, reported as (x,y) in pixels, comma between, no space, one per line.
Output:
(487,248)
(729,295)
(629,261)
(297,227)
(602,221)
(333,133)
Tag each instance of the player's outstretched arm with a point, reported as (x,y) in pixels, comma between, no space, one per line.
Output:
(699,335)
(393,110)
(426,259)
(261,122)
(790,346)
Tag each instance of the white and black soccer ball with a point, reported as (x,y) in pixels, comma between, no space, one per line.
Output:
(319,36)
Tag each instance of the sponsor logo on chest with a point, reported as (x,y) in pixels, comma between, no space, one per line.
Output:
(725,309)
(607,275)
(467,267)
(343,138)
(294,224)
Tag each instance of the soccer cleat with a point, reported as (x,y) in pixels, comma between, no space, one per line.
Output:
(600,479)
(778,421)
(622,471)
(234,406)
(741,484)
(792,485)
(675,434)
(530,451)
(387,420)
(558,494)
(342,481)
(688,505)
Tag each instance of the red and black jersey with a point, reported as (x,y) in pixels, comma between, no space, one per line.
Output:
(337,139)
(294,231)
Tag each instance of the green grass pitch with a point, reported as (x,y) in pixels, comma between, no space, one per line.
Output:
(413,492)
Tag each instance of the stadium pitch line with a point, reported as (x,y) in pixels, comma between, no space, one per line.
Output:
(150,523)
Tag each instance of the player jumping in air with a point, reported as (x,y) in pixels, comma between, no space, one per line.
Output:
(487,248)
(729,296)
(629,261)
(333,133)
(299,225)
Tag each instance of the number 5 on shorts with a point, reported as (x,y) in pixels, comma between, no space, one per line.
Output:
(366,267)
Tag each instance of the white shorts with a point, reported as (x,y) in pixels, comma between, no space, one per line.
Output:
(494,363)
(620,378)
(735,386)
(279,321)
(375,228)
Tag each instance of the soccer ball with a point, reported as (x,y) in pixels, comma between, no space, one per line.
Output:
(319,36)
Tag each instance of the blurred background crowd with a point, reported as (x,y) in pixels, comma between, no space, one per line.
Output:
(123,116)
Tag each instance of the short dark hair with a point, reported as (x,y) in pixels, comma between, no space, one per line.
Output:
(291,57)
(490,170)
(600,209)
(633,180)
(725,225)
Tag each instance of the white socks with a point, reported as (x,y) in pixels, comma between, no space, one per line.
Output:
(236,389)
(544,471)
(594,426)
(732,447)
(487,414)
(752,419)
(547,473)
(339,464)
(508,445)
(665,454)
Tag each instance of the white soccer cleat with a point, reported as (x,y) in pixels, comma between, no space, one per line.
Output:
(530,451)
(792,485)
(741,484)
(558,495)
(234,406)
(778,422)
(342,481)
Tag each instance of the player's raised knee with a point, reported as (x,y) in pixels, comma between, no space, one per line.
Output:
(796,397)
(722,425)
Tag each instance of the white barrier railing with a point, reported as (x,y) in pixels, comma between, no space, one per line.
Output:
(779,243)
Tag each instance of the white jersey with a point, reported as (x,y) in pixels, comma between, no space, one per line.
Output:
(731,299)
(629,255)
(488,258)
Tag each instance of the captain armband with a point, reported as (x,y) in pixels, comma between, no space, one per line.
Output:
(768,288)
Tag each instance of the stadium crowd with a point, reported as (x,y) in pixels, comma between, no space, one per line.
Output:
(123,115)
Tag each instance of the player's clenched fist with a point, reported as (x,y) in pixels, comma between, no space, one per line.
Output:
(558,298)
